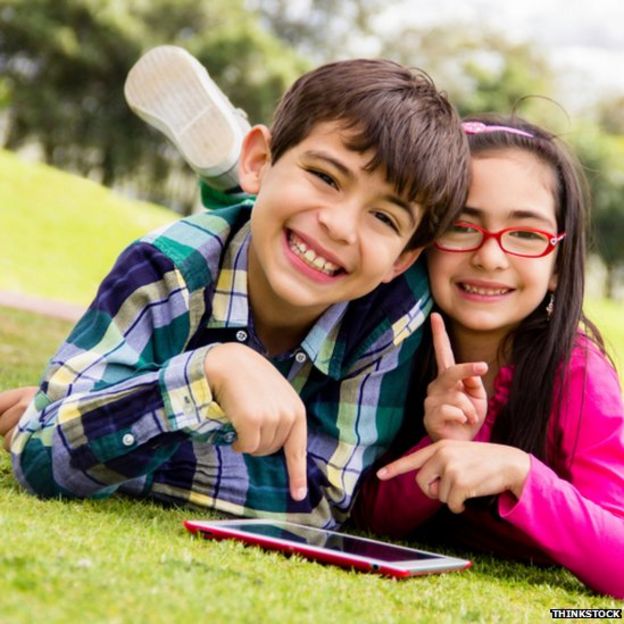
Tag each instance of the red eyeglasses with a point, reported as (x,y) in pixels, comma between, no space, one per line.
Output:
(524,242)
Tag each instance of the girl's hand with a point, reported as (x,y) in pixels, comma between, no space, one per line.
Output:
(13,404)
(456,401)
(454,471)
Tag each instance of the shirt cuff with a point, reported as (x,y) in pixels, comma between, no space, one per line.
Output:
(187,397)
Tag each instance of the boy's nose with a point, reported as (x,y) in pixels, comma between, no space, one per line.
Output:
(340,222)
(490,256)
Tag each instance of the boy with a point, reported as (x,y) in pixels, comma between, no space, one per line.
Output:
(256,362)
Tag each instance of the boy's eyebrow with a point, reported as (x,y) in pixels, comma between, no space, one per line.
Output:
(401,203)
(320,155)
(515,214)
(394,199)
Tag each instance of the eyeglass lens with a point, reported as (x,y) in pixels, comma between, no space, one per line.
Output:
(525,242)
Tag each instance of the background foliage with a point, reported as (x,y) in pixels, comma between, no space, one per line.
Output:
(63,65)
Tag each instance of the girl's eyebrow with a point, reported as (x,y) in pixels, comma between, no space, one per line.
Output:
(514,214)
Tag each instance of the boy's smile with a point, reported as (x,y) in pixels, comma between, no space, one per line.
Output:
(323,229)
(311,258)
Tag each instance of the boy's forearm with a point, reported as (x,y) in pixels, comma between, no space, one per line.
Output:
(122,392)
(89,442)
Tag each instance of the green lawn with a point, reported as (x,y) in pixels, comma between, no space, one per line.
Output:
(121,560)
(608,315)
(60,234)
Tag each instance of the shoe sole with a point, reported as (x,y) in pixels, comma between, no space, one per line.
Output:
(169,89)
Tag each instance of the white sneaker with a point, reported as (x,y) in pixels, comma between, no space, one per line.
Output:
(170,90)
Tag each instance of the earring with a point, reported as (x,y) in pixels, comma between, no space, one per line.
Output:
(550,306)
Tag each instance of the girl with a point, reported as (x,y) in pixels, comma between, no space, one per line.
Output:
(532,418)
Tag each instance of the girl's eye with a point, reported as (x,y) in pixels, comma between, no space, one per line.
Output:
(325,177)
(462,228)
(527,235)
(385,219)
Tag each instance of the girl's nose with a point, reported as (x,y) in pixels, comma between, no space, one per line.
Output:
(490,256)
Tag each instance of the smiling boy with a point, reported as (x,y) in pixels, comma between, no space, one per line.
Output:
(256,361)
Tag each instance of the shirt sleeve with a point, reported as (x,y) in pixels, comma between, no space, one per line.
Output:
(122,392)
(579,521)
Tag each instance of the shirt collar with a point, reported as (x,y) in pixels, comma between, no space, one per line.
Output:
(230,307)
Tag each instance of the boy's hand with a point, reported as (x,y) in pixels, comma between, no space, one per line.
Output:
(13,404)
(456,401)
(452,471)
(262,406)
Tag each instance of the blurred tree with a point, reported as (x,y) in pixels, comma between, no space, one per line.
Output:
(480,70)
(321,29)
(611,115)
(608,222)
(602,155)
(64,65)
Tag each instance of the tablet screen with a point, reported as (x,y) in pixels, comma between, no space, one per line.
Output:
(334,541)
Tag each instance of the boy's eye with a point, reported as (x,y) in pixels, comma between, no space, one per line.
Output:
(386,219)
(325,177)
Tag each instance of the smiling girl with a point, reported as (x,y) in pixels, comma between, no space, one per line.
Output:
(522,452)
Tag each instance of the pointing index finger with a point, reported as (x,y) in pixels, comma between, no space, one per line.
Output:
(407,463)
(441,343)
(295,451)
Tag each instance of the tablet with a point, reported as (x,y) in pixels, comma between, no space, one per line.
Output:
(332,547)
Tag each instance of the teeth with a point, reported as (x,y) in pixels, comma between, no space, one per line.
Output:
(491,292)
(310,257)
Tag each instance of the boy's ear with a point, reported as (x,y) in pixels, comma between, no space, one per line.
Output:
(255,157)
(402,263)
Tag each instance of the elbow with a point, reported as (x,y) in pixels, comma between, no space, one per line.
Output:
(33,471)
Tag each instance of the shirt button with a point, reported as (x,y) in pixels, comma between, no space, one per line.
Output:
(301,357)
(229,437)
(128,439)
(241,335)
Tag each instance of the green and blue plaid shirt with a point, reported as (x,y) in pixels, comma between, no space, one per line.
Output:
(124,405)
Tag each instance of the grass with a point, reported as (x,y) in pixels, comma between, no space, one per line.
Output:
(127,561)
(607,315)
(122,560)
(60,234)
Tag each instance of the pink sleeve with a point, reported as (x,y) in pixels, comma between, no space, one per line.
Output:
(395,507)
(580,522)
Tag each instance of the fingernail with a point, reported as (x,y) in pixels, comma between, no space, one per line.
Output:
(382,473)
(300,494)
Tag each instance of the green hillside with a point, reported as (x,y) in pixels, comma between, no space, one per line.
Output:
(59,233)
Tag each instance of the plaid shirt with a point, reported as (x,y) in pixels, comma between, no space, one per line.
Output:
(125,406)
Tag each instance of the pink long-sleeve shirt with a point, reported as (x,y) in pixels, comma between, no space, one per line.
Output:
(571,513)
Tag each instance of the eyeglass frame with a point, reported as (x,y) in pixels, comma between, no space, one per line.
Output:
(553,239)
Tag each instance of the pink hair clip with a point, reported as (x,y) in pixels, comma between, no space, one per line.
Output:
(477,127)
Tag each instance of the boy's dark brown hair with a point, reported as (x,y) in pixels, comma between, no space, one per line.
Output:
(411,127)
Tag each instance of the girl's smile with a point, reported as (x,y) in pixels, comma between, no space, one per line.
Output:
(478,290)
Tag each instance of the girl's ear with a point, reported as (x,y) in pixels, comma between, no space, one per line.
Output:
(255,157)
(552,283)
(402,263)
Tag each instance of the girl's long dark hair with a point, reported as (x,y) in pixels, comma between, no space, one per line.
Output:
(540,346)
